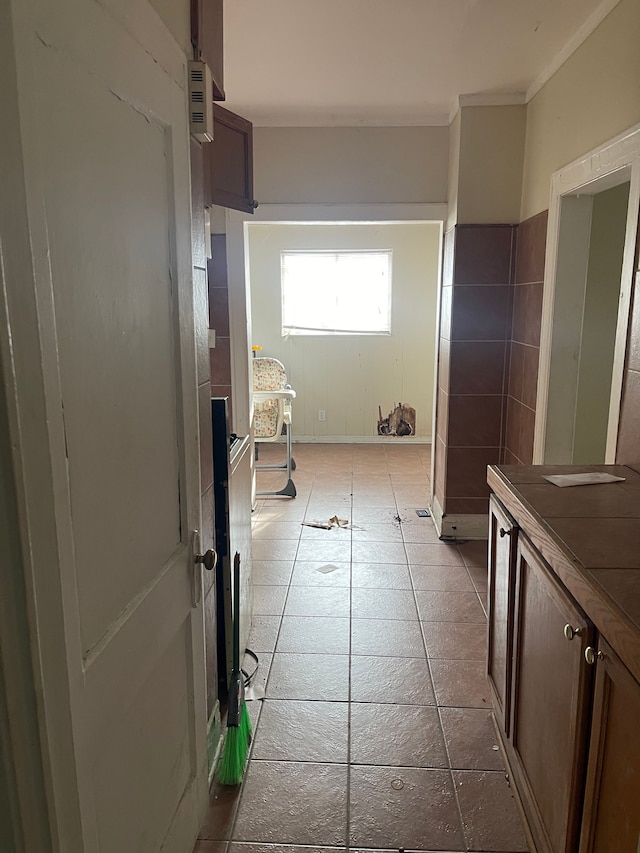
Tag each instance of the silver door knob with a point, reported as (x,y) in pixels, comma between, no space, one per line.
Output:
(209,559)
(591,655)
(570,632)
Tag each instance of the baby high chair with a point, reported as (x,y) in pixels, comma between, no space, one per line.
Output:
(272,398)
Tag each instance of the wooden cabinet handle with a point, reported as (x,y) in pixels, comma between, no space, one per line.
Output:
(570,632)
(504,532)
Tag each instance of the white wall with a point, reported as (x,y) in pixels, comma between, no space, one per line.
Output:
(350,376)
(350,165)
(491,151)
(602,296)
(594,96)
(176,15)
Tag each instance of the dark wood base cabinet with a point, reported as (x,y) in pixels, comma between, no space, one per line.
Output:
(611,819)
(566,705)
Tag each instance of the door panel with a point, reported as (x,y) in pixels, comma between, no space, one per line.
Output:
(229,162)
(133,752)
(109,414)
(612,814)
(551,693)
(111,279)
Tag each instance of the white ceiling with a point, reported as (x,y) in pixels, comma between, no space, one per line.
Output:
(392,62)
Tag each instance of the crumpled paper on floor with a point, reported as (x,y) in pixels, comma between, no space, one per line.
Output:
(334,521)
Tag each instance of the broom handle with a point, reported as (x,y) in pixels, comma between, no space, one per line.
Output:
(236,612)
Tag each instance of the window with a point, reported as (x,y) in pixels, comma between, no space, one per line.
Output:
(336,293)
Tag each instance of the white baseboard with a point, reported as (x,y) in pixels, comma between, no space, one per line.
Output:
(360,439)
(459,526)
(436,514)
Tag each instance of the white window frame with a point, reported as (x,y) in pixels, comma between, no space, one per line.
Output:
(290,328)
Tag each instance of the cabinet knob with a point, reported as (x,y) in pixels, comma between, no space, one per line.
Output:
(570,632)
(504,532)
(591,655)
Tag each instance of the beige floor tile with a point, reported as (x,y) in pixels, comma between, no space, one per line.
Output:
(323,550)
(438,554)
(378,552)
(309,677)
(267,529)
(314,635)
(385,637)
(455,640)
(320,573)
(263,633)
(317,601)
(403,681)
(383,604)
(396,736)
(378,533)
(387,809)
(447,606)
(269,600)
(490,817)
(271,572)
(452,578)
(274,549)
(336,664)
(380,576)
(460,683)
(307,804)
(292,730)
(471,739)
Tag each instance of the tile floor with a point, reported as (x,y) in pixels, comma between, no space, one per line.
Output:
(375,732)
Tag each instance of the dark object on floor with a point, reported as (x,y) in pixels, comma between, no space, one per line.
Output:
(236,745)
(423,513)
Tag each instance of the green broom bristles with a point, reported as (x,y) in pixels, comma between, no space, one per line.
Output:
(245,724)
(236,749)
(236,745)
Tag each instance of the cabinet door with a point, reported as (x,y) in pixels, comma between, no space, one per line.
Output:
(612,800)
(503,534)
(550,703)
(229,162)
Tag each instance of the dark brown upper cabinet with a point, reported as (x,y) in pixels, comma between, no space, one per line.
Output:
(207,40)
(229,162)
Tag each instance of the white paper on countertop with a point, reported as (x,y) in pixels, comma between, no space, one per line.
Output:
(583,479)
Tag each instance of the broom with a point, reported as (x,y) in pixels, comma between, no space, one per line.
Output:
(236,744)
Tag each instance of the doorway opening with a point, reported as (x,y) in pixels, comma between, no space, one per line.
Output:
(589,269)
(353,341)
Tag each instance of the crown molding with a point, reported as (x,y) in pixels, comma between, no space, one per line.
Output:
(581,35)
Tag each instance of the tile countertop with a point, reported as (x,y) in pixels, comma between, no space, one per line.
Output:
(590,536)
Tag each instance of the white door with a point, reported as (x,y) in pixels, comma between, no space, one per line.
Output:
(99,360)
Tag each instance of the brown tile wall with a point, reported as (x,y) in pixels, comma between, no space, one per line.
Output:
(628,451)
(491,309)
(475,327)
(523,357)
(220,355)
